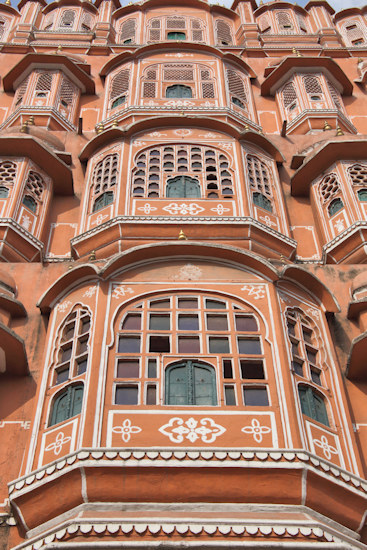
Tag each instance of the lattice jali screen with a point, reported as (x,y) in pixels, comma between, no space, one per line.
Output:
(176,23)
(21,91)
(259,176)
(236,85)
(154,166)
(35,185)
(120,83)
(67,19)
(312,85)
(44,82)
(328,188)
(67,91)
(224,35)
(127,31)
(334,96)
(178,72)
(285,23)
(87,21)
(358,174)
(105,174)
(8,173)
(289,94)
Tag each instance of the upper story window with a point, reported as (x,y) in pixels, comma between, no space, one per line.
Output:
(223,32)
(33,191)
(330,194)
(285,23)
(260,183)
(354,32)
(189,350)
(175,28)
(237,88)
(104,181)
(358,176)
(119,88)
(69,20)
(182,170)
(8,173)
(178,80)
(4,27)
(127,32)
(282,22)
(67,404)
(305,355)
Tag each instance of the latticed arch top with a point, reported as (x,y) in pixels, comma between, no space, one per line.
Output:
(329,188)
(289,94)
(127,32)
(223,33)
(175,27)
(104,180)
(67,19)
(119,88)
(285,22)
(8,173)
(358,174)
(355,32)
(237,88)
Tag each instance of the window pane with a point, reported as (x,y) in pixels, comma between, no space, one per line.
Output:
(85,325)
(159,322)
(215,304)
(229,395)
(82,365)
(160,304)
(76,400)
(188,322)
(311,355)
(127,368)
(152,368)
(252,370)
(159,344)
(297,367)
(249,346)
(291,329)
(131,322)
(227,368)
(69,332)
(246,323)
(257,397)
(126,395)
(129,344)
(217,322)
(65,354)
(187,303)
(151,398)
(307,335)
(188,344)
(218,345)
(316,378)
(83,346)
(62,375)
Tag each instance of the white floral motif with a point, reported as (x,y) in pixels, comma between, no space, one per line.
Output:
(267,221)
(256,430)
(99,219)
(179,55)
(26,222)
(156,134)
(257,292)
(137,143)
(219,209)
(147,208)
(182,132)
(209,135)
(313,312)
(121,290)
(64,306)
(190,272)
(339,225)
(179,103)
(56,446)
(183,209)
(90,291)
(205,429)
(327,449)
(226,145)
(126,429)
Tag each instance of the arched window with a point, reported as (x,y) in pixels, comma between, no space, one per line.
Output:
(260,182)
(329,188)
(208,167)
(223,33)
(354,32)
(20,93)
(175,28)
(127,32)
(183,187)
(67,20)
(43,85)
(67,404)
(264,24)
(8,173)
(34,190)
(335,96)
(358,174)
(237,89)
(119,88)
(285,23)
(335,206)
(313,405)
(178,91)
(362,195)
(176,35)
(313,88)
(218,342)
(104,181)
(289,96)
(30,203)
(190,383)
(67,95)
(4,192)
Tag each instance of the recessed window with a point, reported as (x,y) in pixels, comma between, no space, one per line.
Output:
(252,369)
(262,201)
(249,346)
(313,405)
(315,377)
(126,395)
(227,368)
(152,368)
(159,322)
(188,322)
(67,404)
(237,102)
(187,303)
(4,192)
(188,344)
(256,397)
(229,395)
(30,203)
(159,344)
(119,101)
(190,383)
(178,91)
(218,345)
(132,321)
(62,375)
(128,368)
(82,366)
(298,367)
(129,344)
(175,35)
(151,395)
(160,304)
(215,304)
(335,206)
(362,195)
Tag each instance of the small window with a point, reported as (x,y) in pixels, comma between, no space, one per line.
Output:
(249,346)
(126,395)
(129,344)
(67,404)
(229,396)
(190,383)
(128,368)
(178,91)
(313,405)
(315,98)
(175,35)
(4,192)
(159,344)
(335,206)
(362,195)
(262,201)
(119,101)
(132,321)
(30,203)
(104,200)
(237,102)
(255,397)
(252,370)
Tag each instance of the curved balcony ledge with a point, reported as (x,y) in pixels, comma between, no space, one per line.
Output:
(17,244)
(349,247)
(42,116)
(127,475)
(107,238)
(312,119)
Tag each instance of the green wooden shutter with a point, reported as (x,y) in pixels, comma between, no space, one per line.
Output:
(190,384)
(203,385)
(68,404)
(177,385)
(320,410)
(178,91)
(183,187)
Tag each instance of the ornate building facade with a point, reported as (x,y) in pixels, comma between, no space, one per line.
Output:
(183,293)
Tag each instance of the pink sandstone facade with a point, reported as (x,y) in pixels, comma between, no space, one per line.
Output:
(183,297)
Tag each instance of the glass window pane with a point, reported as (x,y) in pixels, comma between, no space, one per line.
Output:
(132,321)
(187,303)
(85,325)
(188,344)
(252,370)
(218,345)
(159,344)
(316,378)
(297,367)
(227,368)
(249,346)
(65,354)
(246,323)
(69,332)
(83,346)
(159,322)
(257,397)
(229,395)
(151,398)
(129,344)
(160,304)
(126,395)
(217,322)
(311,355)
(152,368)
(307,335)
(128,368)
(188,322)
(215,304)
(291,329)
(62,375)
(82,365)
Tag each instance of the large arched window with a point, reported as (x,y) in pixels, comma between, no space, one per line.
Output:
(218,343)
(127,32)
(237,89)
(104,181)
(260,183)
(178,91)
(157,171)
(67,404)
(190,383)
